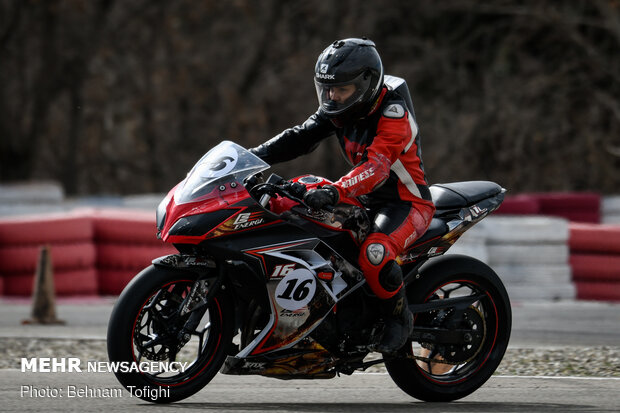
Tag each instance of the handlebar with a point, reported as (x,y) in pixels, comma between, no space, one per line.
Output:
(283,189)
(280,186)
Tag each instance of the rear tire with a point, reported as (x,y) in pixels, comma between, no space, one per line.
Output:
(147,310)
(469,366)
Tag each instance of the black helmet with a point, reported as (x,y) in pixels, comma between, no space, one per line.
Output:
(353,68)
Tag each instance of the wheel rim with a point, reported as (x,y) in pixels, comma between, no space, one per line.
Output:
(156,327)
(445,364)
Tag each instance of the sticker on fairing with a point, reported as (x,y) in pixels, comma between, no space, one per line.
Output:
(296,289)
(216,167)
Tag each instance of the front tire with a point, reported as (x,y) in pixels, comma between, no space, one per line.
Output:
(442,373)
(143,328)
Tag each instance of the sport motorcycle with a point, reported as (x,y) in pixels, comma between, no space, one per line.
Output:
(263,284)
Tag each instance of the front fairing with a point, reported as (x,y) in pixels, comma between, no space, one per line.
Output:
(225,163)
(213,184)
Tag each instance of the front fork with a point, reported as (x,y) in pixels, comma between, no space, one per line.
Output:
(202,292)
(196,303)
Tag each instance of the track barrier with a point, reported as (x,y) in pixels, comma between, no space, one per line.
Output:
(94,251)
(595,259)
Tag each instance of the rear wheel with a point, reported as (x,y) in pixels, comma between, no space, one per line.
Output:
(445,372)
(144,332)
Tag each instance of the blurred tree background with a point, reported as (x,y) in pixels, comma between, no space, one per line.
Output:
(123,97)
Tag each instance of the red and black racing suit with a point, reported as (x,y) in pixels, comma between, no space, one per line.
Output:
(385,149)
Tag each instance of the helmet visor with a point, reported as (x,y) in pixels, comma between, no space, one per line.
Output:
(336,98)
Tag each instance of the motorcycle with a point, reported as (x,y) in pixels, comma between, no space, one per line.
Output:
(264,285)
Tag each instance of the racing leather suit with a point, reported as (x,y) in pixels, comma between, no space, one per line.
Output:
(385,150)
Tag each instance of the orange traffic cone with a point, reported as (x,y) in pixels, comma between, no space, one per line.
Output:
(43,293)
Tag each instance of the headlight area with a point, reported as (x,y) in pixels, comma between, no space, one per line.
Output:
(160,216)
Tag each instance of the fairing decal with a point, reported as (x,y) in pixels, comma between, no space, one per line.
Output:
(261,252)
(298,299)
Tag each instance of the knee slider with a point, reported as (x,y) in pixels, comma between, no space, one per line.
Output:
(391,276)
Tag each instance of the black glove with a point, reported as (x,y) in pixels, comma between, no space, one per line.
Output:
(318,198)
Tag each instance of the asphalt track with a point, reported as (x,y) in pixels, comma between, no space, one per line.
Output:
(356,393)
(565,324)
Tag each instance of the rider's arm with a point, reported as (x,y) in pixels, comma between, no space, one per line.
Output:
(296,141)
(393,135)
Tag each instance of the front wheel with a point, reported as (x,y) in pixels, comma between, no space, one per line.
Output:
(155,362)
(445,372)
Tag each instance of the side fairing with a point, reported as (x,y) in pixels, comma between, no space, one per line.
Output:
(304,282)
(193,224)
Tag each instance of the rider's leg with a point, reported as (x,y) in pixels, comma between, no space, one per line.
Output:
(399,319)
(395,228)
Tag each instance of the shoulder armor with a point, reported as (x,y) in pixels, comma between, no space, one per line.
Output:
(394,111)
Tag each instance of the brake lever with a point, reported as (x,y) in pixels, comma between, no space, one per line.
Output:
(265,189)
(294,191)
(301,190)
(285,193)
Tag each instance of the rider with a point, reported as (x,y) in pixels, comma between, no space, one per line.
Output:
(378,133)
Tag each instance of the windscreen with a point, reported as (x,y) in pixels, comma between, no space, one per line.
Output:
(225,163)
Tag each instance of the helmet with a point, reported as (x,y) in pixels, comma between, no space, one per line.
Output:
(348,77)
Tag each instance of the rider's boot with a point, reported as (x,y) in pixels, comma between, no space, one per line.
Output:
(398,322)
